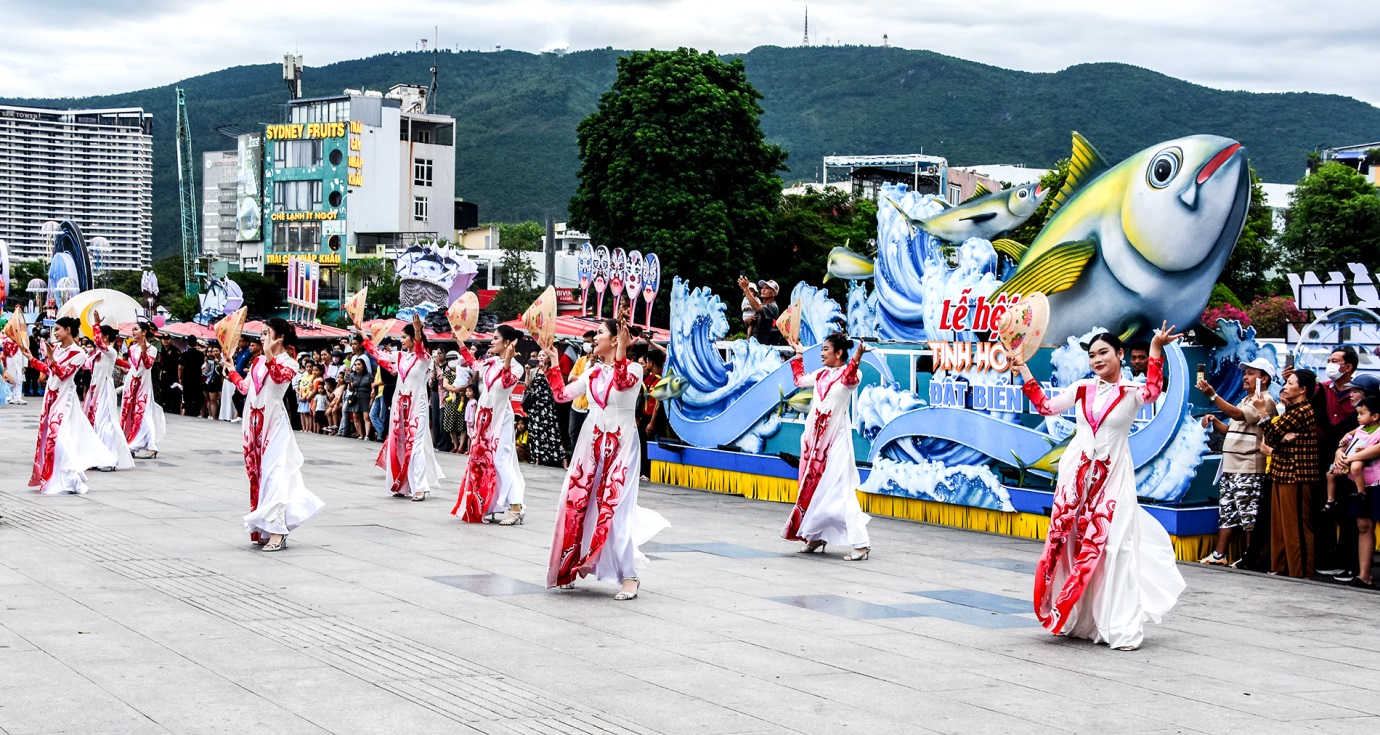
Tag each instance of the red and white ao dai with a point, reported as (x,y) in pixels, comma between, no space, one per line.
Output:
(826,507)
(598,522)
(493,480)
(140,415)
(407,458)
(279,500)
(1108,565)
(102,405)
(67,445)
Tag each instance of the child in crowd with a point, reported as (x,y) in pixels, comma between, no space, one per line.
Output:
(335,403)
(521,439)
(1358,457)
(319,400)
(305,390)
(471,410)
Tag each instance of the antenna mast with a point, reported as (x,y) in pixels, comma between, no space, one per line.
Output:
(292,75)
(807,25)
(435,65)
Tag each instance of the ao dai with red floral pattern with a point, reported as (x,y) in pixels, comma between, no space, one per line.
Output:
(598,522)
(826,507)
(67,446)
(407,458)
(493,479)
(1107,566)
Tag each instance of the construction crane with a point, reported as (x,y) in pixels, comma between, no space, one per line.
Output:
(186,193)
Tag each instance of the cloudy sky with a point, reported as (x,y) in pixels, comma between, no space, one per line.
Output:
(59,48)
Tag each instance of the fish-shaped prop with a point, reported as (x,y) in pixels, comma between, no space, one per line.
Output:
(17,328)
(671,386)
(584,266)
(229,328)
(788,323)
(540,317)
(798,401)
(1129,246)
(986,215)
(463,316)
(354,306)
(1023,325)
(651,283)
(602,263)
(848,265)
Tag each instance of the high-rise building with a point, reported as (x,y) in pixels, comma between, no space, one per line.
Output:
(219,177)
(362,174)
(94,167)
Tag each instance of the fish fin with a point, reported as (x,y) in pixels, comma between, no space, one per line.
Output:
(979,217)
(978,193)
(1010,248)
(1129,332)
(826,277)
(1085,164)
(910,221)
(1054,271)
(1050,462)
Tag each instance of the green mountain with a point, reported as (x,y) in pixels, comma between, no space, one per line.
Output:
(517,113)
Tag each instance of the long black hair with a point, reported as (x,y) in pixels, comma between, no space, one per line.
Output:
(284,329)
(109,333)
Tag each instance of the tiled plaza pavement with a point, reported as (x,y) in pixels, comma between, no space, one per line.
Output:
(141,608)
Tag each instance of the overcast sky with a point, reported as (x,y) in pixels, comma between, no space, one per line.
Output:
(63,48)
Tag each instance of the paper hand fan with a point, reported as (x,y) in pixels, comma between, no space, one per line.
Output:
(1022,328)
(540,317)
(354,306)
(789,323)
(17,328)
(228,330)
(463,316)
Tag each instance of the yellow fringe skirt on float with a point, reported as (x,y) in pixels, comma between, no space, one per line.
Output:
(783,490)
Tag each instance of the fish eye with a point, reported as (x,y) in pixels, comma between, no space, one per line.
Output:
(1023,193)
(1163,167)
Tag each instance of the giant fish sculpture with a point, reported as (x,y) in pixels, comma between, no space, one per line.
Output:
(1131,245)
(984,215)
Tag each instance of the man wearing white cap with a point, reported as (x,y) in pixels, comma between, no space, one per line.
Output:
(763,301)
(1243,464)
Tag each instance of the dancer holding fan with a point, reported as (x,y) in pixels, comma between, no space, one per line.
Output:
(279,500)
(493,481)
(1108,566)
(67,445)
(407,457)
(140,415)
(826,508)
(102,405)
(598,522)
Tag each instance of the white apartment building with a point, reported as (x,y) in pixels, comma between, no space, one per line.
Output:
(93,167)
(219,178)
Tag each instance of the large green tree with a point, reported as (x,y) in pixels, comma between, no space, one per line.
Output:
(674,162)
(1333,219)
(1253,254)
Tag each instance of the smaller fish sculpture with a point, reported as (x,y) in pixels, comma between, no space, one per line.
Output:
(848,265)
(798,401)
(671,386)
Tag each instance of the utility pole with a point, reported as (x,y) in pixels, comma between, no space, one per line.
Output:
(550,251)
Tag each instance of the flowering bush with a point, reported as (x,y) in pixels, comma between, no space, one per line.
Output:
(1271,315)
(1224,311)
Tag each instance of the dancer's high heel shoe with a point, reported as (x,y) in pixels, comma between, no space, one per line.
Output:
(514,518)
(624,596)
(859,554)
(273,546)
(812,547)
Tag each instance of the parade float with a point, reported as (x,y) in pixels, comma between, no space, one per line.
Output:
(942,433)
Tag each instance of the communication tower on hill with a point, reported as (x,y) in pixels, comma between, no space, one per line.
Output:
(807,25)
(292,75)
(186,192)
